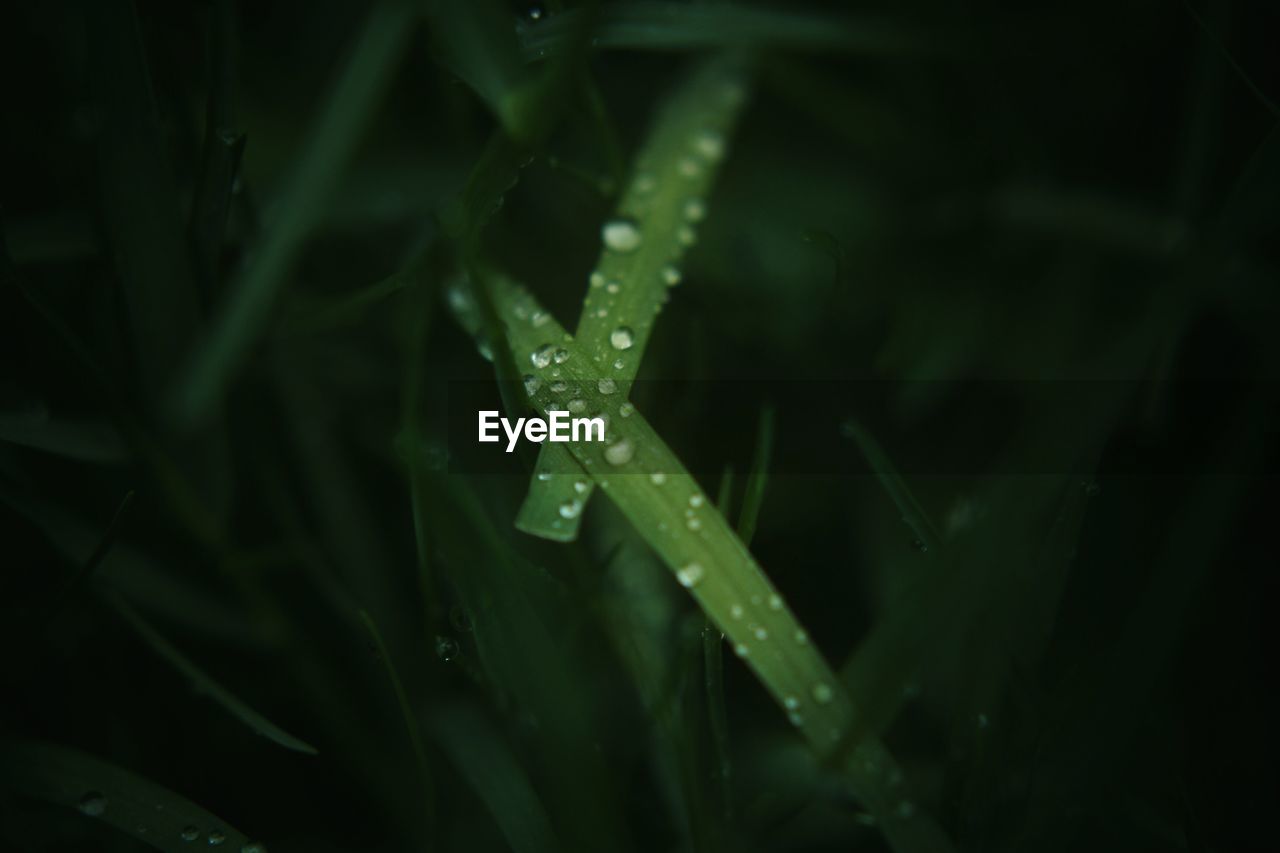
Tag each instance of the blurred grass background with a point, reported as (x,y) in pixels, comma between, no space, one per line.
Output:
(232,540)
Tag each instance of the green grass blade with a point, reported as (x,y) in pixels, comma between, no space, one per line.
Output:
(151,814)
(659,213)
(85,441)
(205,683)
(141,207)
(664,503)
(651,25)
(488,766)
(757,478)
(476,40)
(913,515)
(406,711)
(332,140)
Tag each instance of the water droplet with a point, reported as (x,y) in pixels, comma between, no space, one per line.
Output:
(602,313)
(690,575)
(619,453)
(791,703)
(822,693)
(216,837)
(612,287)
(540,319)
(619,363)
(644,183)
(696,500)
(531,385)
(695,210)
(671,275)
(736,611)
(622,337)
(93,804)
(709,144)
(189,833)
(689,167)
(580,486)
(446,648)
(571,509)
(761,633)
(626,410)
(596,279)
(606,386)
(535,13)
(694,523)
(795,719)
(741,650)
(559,386)
(657,478)
(687,236)
(544,476)
(577,406)
(800,637)
(541,357)
(253,847)
(621,235)
(561,356)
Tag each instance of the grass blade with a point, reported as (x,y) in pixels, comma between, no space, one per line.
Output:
(912,513)
(480,755)
(406,711)
(85,441)
(205,683)
(659,211)
(352,103)
(664,503)
(651,25)
(151,814)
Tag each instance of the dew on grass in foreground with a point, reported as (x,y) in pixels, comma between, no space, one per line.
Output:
(216,837)
(541,357)
(531,385)
(671,275)
(822,693)
(626,410)
(621,235)
(93,804)
(619,453)
(657,478)
(446,648)
(709,144)
(189,833)
(690,575)
(561,356)
(606,386)
(571,509)
(622,338)
(577,406)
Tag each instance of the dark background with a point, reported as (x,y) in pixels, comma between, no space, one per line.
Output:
(936,198)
